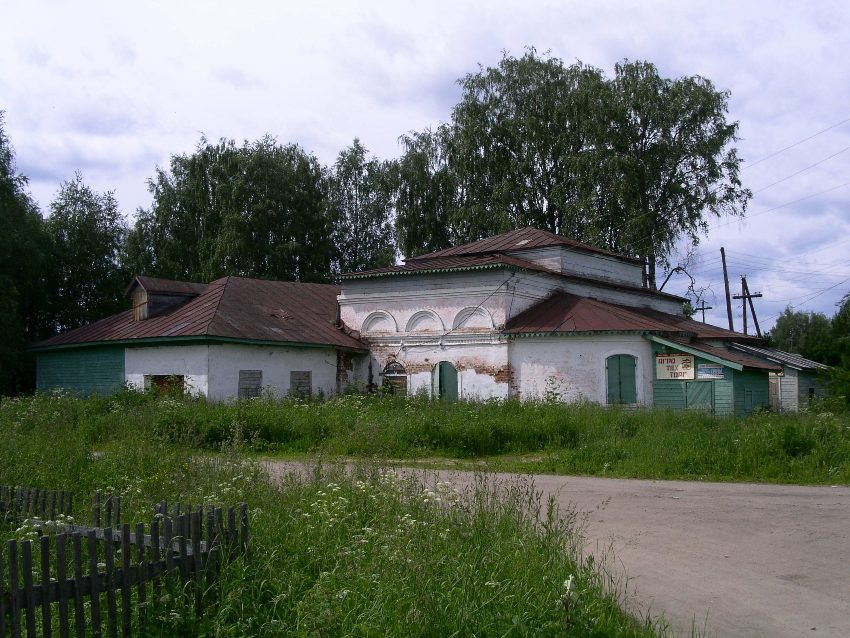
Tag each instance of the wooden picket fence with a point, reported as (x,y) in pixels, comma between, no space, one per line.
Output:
(20,503)
(183,552)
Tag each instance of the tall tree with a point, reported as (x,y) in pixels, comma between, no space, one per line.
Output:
(426,200)
(525,138)
(671,159)
(24,247)
(630,163)
(89,235)
(258,210)
(361,204)
(807,333)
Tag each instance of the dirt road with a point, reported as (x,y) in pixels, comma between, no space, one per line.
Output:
(729,559)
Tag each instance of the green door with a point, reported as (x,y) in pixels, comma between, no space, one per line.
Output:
(621,371)
(445,380)
(699,395)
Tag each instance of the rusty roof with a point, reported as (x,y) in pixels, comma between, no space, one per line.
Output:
(719,352)
(565,312)
(231,308)
(701,330)
(521,239)
(156,285)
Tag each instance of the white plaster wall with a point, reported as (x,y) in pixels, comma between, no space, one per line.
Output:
(574,367)
(572,262)
(226,360)
(189,361)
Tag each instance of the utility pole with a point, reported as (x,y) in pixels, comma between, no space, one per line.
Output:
(703,307)
(747,297)
(726,283)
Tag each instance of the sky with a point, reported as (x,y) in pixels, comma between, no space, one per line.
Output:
(114,89)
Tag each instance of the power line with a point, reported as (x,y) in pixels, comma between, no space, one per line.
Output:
(787,148)
(802,170)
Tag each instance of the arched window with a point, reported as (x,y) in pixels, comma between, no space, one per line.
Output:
(395,378)
(621,372)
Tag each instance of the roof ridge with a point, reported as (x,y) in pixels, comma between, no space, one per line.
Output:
(214,314)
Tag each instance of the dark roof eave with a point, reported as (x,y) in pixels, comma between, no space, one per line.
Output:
(570,333)
(154,341)
(545,271)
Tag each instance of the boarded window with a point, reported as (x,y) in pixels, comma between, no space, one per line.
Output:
(395,378)
(250,383)
(621,379)
(301,383)
(140,305)
(171,384)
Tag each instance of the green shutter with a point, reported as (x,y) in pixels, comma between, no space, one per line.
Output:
(621,379)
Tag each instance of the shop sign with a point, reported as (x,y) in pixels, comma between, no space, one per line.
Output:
(710,371)
(674,366)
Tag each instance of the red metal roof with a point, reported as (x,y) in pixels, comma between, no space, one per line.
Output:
(232,308)
(564,312)
(521,239)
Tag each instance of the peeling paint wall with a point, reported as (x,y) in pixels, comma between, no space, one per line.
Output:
(573,368)
(190,361)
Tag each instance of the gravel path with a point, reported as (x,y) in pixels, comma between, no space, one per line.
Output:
(728,559)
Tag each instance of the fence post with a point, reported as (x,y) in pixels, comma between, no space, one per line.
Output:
(141,573)
(29,590)
(95,584)
(109,559)
(46,620)
(79,608)
(62,579)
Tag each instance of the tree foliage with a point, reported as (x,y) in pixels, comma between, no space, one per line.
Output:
(88,234)
(24,252)
(806,333)
(258,210)
(632,163)
(360,198)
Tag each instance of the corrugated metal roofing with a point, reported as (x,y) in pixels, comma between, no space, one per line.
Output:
(232,308)
(787,358)
(521,239)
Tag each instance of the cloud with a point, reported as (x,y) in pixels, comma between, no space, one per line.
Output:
(235,78)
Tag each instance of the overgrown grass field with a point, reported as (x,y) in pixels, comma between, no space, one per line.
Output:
(366,552)
(810,447)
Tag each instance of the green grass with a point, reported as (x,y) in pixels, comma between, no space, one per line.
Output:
(363,553)
(811,447)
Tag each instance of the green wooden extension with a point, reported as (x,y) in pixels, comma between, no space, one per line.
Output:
(85,371)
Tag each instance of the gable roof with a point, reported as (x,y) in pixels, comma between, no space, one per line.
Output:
(789,359)
(230,309)
(517,240)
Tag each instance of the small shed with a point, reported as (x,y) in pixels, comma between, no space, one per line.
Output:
(798,382)
(700,376)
